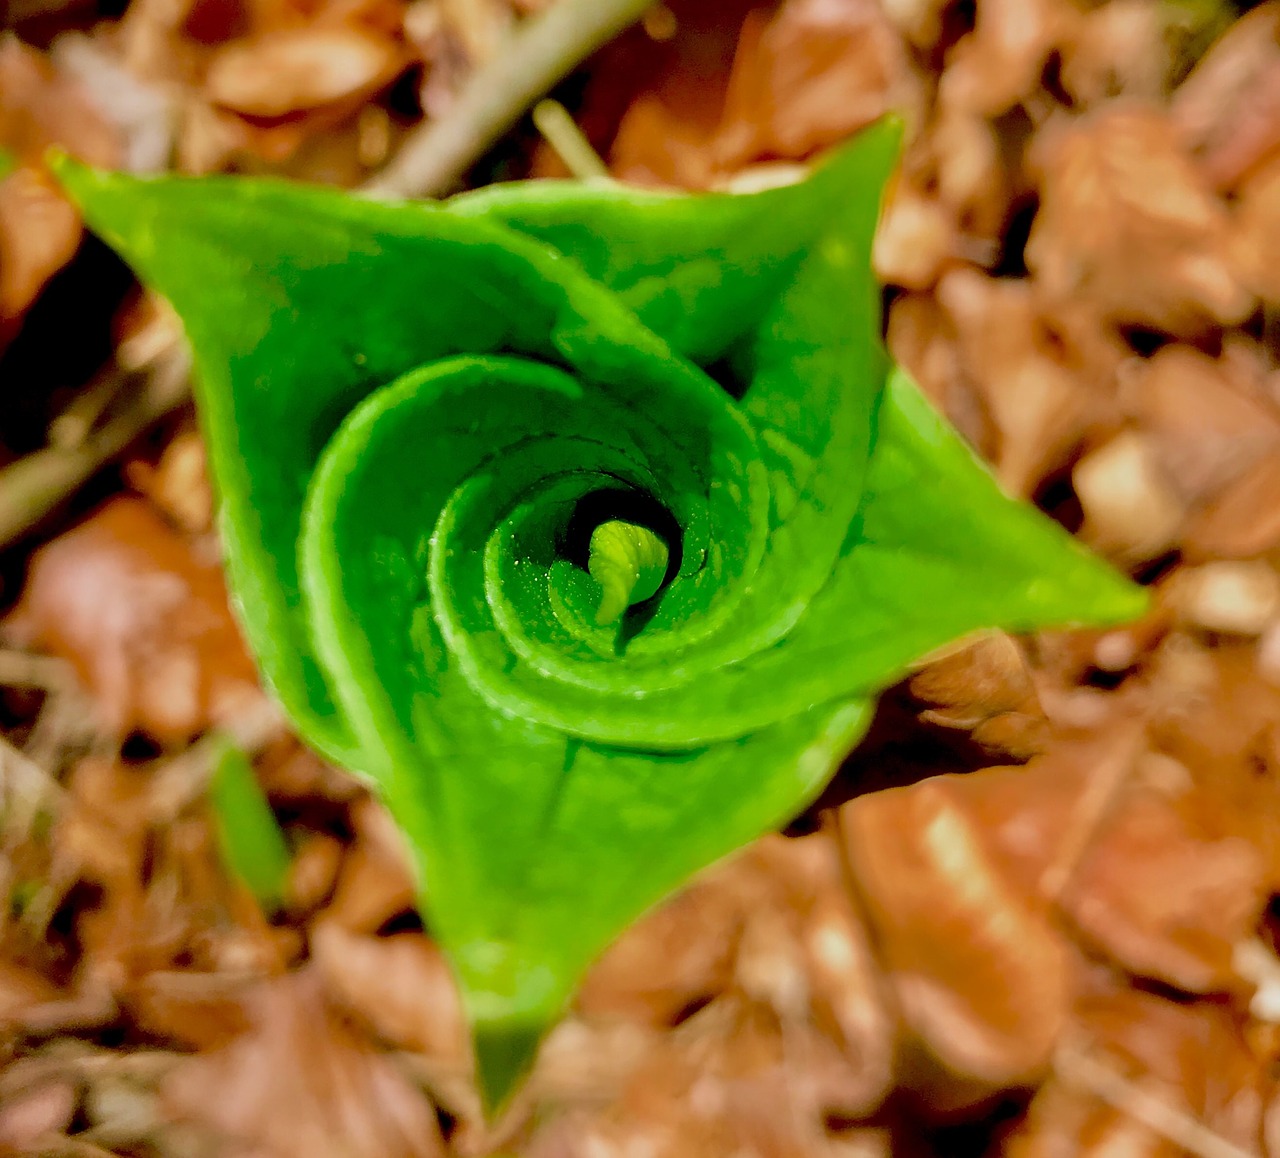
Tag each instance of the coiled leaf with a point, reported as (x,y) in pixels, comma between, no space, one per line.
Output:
(418,417)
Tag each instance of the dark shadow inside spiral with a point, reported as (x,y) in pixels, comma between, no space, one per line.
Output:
(632,506)
(731,371)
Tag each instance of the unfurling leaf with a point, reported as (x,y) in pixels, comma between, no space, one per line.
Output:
(629,562)
(419,414)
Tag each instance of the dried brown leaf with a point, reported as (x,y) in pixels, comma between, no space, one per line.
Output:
(39,228)
(1256,243)
(197,1010)
(673,93)
(100,837)
(480,26)
(1162,898)
(981,977)
(922,339)
(984,688)
(677,957)
(296,71)
(1163,1078)
(1117,49)
(1000,62)
(21,988)
(143,621)
(301,1082)
(1243,520)
(1227,112)
(291,771)
(916,241)
(400,987)
(374,884)
(920,21)
(1039,405)
(31,1117)
(1209,418)
(313,872)
(1239,597)
(806,955)
(972,179)
(660,143)
(1216,716)
(40,107)
(178,485)
(772,929)
(810,74)
(164,896)
(39,234)
(728,1083)
(1132,509)
(1128,222)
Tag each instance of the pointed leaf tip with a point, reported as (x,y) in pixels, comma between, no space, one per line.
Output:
(505,1052)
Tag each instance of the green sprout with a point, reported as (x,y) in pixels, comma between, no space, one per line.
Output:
(629,562)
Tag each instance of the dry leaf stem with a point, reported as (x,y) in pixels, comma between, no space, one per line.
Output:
(569,142)
(1076,1065)
(496,95)
(35,485)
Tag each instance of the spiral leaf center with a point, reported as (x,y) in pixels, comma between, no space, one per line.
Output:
(629,562)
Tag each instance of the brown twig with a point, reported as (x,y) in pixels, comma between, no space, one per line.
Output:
(75,425)
(1077,1066)
(561,132)
(540,54)
(35,485)
(21,669)
(1091,811)
(26,788)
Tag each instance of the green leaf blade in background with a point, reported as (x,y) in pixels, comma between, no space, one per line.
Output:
(246,830)
(418,415)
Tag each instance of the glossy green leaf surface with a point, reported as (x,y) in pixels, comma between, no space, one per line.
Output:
(418,417)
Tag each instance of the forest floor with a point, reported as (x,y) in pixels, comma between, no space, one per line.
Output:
(1035,913)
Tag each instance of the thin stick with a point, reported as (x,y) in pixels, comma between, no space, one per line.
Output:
(25,787)
(74,425)
(570,142)
(1086,1072)
(21,669)
(1109,776)
(540,54)
(33,486)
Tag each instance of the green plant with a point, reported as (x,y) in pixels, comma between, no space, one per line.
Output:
(246,830)
(419,414)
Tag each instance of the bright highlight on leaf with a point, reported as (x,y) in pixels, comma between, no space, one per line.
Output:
(413,411)
(629,562)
